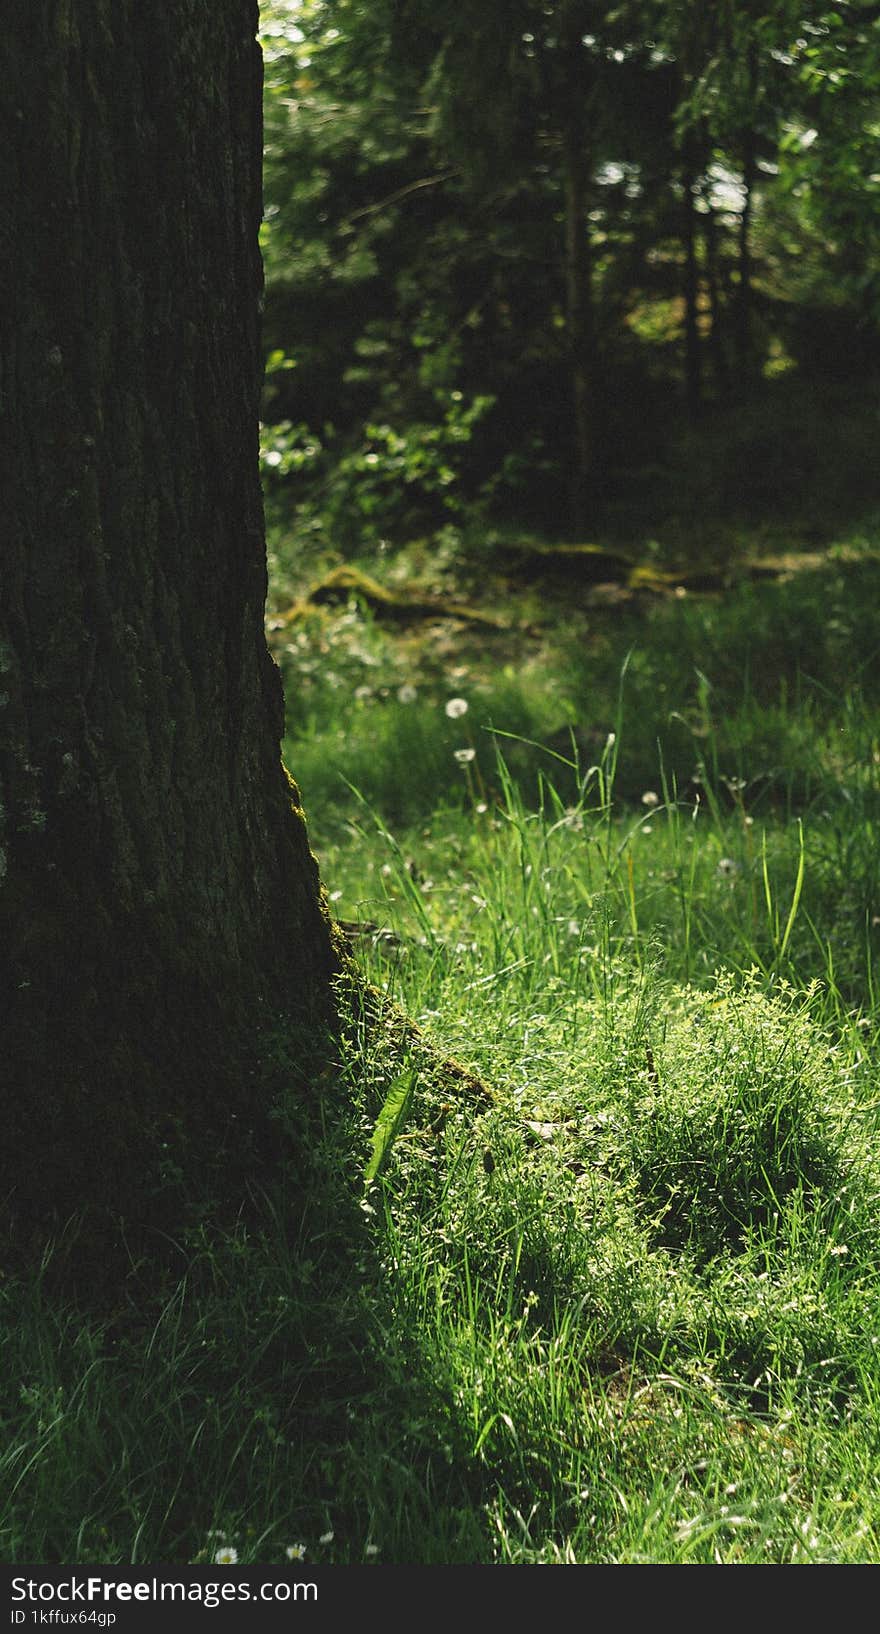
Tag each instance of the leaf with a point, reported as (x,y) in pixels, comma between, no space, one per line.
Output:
(394,1109)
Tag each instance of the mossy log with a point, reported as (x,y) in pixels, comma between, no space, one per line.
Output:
(402,606)
(592,565)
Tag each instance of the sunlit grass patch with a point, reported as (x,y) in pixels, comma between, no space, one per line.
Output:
(615,1296)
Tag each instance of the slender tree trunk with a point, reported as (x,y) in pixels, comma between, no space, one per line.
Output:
(692,350)
(159,901)
(580,330)
(749,174)
(717,350)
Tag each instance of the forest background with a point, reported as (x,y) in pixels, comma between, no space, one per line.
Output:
(569,452)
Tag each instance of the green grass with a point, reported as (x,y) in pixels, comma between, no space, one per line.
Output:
(624,1306)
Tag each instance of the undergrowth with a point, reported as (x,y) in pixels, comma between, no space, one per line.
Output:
(612,1294)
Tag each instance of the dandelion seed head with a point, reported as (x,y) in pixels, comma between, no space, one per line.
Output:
(465,756)
(456,707)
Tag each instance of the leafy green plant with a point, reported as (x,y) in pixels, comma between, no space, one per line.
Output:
(388,1124)
(390,479)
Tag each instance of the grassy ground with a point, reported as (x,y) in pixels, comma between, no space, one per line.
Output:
(621,861)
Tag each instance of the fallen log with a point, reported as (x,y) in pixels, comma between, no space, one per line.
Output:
(343,583)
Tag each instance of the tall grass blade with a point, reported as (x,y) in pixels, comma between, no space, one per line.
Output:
(798,887)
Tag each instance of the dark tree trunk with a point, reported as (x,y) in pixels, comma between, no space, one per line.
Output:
(159,900)
(744,354)
(574,115)
(744,290)
(692,354)
(717,350)
(580,331)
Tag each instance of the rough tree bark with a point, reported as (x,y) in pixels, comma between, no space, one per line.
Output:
(159,900)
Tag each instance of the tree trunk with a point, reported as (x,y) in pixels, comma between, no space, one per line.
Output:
(580,331)
(692,355)
(713,283)
(749,174)
(159,900)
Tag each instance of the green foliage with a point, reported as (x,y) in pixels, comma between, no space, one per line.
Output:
(391,480)
(615,1302)
(415,242)
(831,166)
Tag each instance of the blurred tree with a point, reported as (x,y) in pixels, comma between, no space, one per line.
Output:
(753,80)
(160,906)
(469,210)
(567,91)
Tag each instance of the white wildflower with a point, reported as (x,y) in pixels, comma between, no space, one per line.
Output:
(465,756)
(227,1556)
(295,1551)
